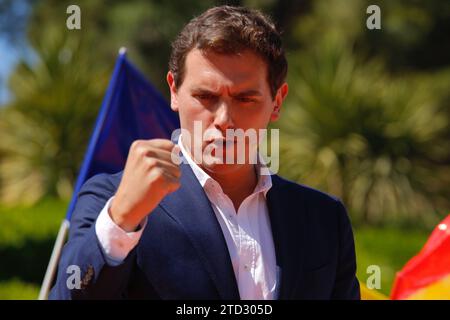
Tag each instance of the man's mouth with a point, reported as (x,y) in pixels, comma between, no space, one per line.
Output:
(222,142)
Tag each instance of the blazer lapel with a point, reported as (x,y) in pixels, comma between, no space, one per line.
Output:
(289,236)
(190,207)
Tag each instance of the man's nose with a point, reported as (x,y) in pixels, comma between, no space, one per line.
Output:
(223,118)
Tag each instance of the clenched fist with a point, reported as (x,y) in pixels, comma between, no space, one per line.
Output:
(149,175)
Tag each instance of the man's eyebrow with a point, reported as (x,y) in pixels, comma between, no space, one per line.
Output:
(202,91)
(245,93)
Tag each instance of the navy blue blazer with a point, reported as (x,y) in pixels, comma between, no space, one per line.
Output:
(182,253)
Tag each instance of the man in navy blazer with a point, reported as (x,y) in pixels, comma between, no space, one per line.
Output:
(197,227)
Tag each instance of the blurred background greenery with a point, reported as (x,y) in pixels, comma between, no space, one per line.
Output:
(367,117)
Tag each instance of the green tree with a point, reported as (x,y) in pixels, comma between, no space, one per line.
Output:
(46,127)
(377,141)
(360,124)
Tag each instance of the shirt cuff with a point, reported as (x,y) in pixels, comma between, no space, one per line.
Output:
(115,242)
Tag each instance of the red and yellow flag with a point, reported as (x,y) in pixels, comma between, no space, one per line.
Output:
(427,275)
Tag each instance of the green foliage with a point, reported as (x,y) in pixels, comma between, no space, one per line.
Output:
(414,35)
(18,290)
(46,127)
(23,223)
(27,236)
(145,27)
(352,127)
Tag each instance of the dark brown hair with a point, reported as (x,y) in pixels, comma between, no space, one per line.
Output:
(230,30)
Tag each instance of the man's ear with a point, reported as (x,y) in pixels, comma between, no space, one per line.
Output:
(278,101)
(173,91)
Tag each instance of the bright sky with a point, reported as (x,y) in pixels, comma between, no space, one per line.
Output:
(10,55)
(8,59)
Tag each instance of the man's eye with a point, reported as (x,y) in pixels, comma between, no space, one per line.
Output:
(205,96)
(245,99)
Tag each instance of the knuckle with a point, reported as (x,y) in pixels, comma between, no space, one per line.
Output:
(136,144)
(151,163)
(140,151)
(163,143)
(138,148)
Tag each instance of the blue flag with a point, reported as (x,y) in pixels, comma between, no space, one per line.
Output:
(132,109)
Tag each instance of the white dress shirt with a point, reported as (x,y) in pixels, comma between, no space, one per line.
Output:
(247,234)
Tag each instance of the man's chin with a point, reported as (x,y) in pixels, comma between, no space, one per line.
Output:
(217,166)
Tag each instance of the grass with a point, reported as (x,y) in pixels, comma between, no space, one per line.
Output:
(387,247)
(22,223)
(18,290)
(27,235)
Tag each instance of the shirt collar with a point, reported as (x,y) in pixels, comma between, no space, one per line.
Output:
(264,181)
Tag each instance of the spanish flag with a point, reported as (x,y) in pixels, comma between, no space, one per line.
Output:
(427,275)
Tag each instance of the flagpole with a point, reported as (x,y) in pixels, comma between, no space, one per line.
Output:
(54,259)
(64,228)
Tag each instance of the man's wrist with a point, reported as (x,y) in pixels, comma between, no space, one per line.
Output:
(115,242)
(122,220)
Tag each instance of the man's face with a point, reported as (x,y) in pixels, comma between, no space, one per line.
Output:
(223,92)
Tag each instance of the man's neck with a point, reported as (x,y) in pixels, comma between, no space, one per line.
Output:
(238,184)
